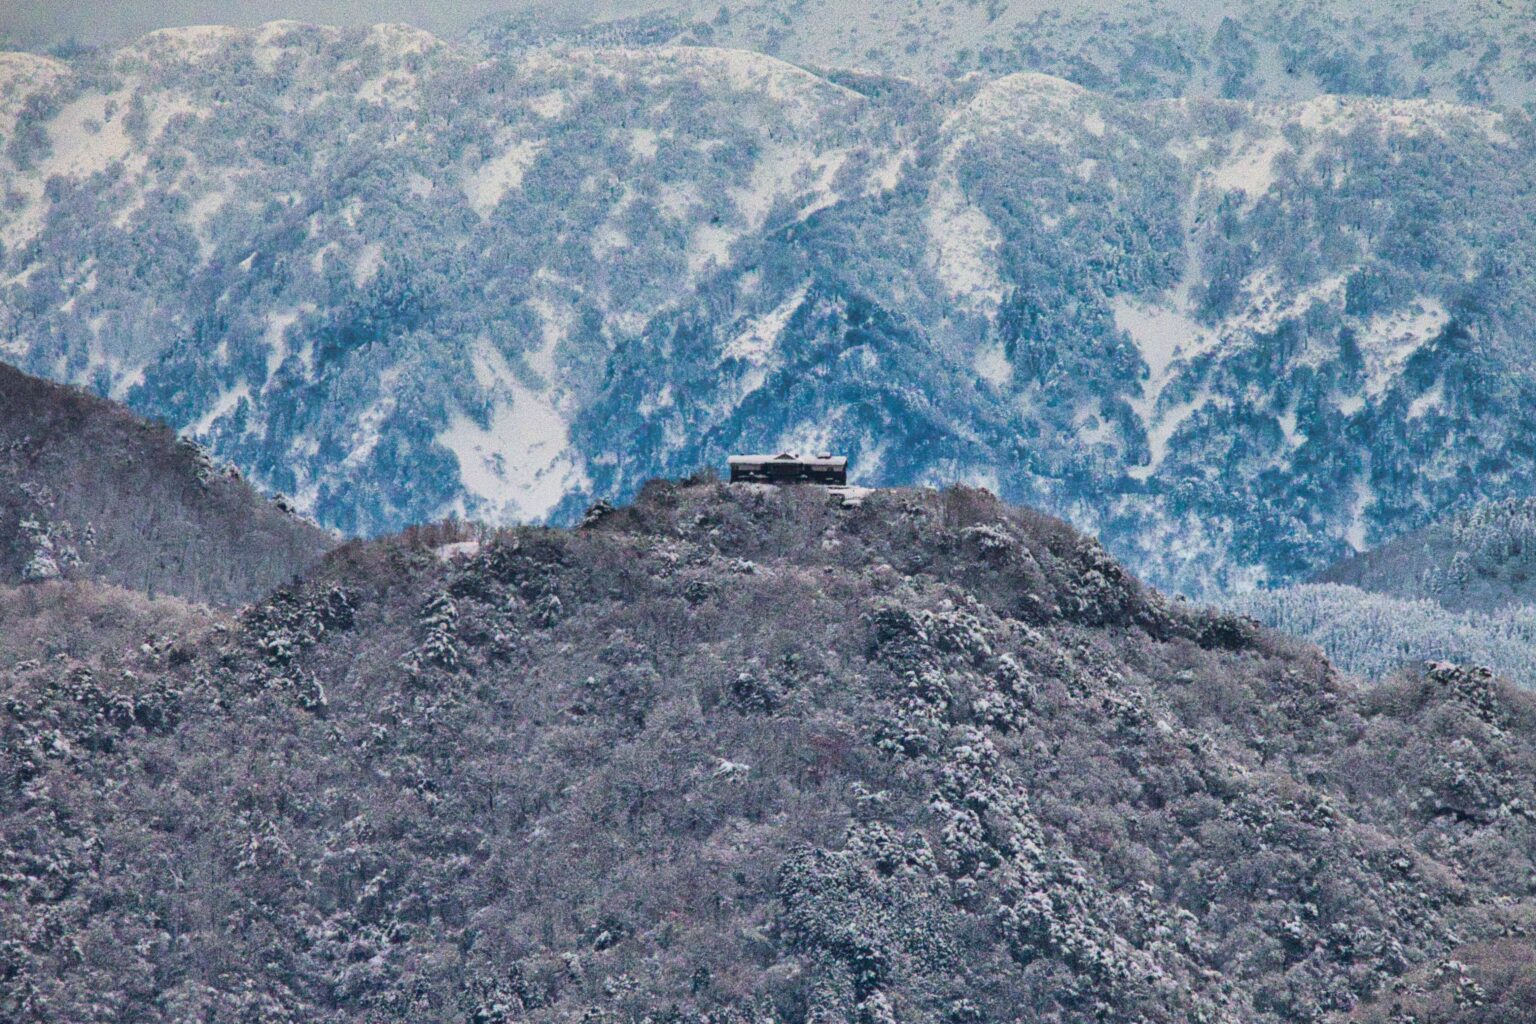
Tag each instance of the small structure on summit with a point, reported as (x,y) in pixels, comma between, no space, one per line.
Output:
(789,468)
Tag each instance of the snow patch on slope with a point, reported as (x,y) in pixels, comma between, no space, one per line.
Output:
(1250,169)
(963,248)
(1388,340)
(555,324)
(795,174)
(396,39)
(1365,497)
(21,75)
(494,178)
(276,336)
(1343,114)
(370,422)
(393,88)
(1430,401)
(223,406)
(369,259)
(1270,304)
(757,345)
(520,465)
(1046,107)
(801,94)
(86,138)
(1165,337)
(188,43)
(757,341)
(991,363)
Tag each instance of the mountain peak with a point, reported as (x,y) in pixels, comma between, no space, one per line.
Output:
(396,278)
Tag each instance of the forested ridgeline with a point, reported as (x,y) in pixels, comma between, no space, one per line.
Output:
(742,754)
(90,491)
(1480,559)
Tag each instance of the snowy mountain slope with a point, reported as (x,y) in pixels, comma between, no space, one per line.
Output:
(340,206)
(92,494)
(1476,52)
(1374,635)
(1460,588)
(394,276)
(1479,559)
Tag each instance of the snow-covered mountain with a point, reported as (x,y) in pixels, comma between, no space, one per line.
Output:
(1462,588)
(395,276)
(963,768)
(1471,51)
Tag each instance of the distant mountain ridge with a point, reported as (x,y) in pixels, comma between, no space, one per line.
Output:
(1462,588)
(1472,52)
(91,492)
(395,277)
(1480,559)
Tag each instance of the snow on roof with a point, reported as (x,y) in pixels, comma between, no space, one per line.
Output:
(810,460)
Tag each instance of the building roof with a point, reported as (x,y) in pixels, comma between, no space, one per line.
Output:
(805,460)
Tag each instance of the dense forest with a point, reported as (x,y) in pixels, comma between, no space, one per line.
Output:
(89,491)
(737,753)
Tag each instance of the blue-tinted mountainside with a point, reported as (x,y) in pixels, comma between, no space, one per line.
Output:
(1480,559)
(1471,51)
(394,277)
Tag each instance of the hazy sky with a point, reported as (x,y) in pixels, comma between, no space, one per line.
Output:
(42,22)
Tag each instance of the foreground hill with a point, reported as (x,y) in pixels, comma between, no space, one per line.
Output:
(394,277)
(741,754)
(90,491)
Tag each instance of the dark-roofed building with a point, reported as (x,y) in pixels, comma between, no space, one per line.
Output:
(789,468)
